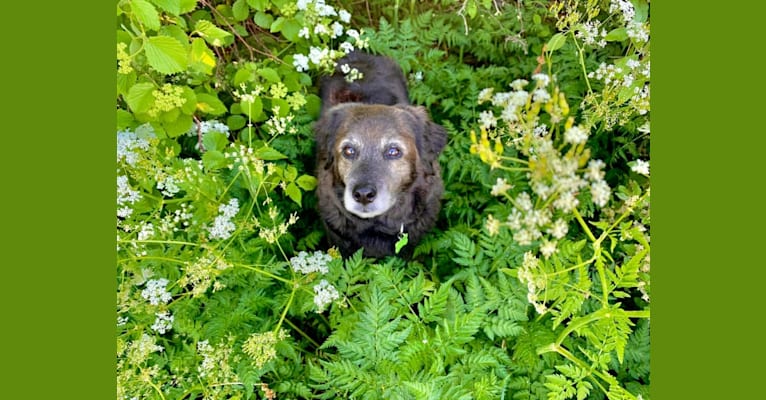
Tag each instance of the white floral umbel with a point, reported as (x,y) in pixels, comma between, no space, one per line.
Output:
(222,226)
(325,293)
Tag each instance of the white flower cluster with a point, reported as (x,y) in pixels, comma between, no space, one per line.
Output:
(625,7)
(306,263)
(277,125)
(139,350)
(640,167)
(155,292)
(128,143)
(222,226)
(325,293)
(555,176)
(125,195)
(352,74)
(215,361)
(163,322)
(204,127)
(168,185)
(592,34)
(321,22)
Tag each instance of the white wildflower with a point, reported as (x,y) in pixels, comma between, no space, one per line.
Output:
(487,119)
(595,170)
(346,47)
(519,84)
(575,135)
(559,229)
(222,226)
(600,192)
(640,167)
(566,202)
(337,29)
(325,293)
(542,79)
(300,62)
(500,187)
(548,248)
(307,263)
(155,292)
(344,16)
(163,322)
(540,96)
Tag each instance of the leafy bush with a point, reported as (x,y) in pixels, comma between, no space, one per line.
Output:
(535,283)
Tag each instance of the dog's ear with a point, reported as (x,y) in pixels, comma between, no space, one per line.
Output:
(325,130)
(431,137)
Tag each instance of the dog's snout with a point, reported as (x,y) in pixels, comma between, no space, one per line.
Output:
(364,194)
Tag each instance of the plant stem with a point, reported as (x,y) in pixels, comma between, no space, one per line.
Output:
(304,334)
(584,225)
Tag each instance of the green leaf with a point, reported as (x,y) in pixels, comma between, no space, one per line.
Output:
(472,9)
(211,33)
(236,122)
(146,14)
(125,82)
(209,104)
(642,10)
(290,30)
(124,119)
(214,141)
(313,105)
(140,98)
(179,126)
(283,105)
(263,20)
(240,10)
(269,154)
(306,182)
(617,35)
(258,5)
(403,239)
(165,54)
(187,6)
(252,109)
(190,105)
(556,42)
(269,74)
(213,160)
(201,58)
(293,192)
(276,26)
(173,7)
(243,75)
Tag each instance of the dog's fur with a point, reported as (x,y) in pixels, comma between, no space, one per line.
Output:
(376,160)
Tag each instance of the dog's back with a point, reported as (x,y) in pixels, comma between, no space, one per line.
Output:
(382,82)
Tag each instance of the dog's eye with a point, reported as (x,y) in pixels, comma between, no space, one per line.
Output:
(348,152)
(393,153)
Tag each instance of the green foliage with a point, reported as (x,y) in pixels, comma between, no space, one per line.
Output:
(535,284)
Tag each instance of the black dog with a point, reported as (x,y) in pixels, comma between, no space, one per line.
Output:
(377,165)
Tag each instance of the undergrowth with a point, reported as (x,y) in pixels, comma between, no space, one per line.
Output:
(535,283)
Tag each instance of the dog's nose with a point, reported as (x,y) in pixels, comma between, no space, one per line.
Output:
(364,194)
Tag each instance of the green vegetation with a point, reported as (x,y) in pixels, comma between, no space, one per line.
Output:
(535,283)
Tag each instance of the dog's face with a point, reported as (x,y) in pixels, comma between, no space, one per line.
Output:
(376,152)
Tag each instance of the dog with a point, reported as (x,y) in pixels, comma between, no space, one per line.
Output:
(377,160)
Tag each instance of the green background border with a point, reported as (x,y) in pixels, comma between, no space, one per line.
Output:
(58,202)
(58,179)
(707,173)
